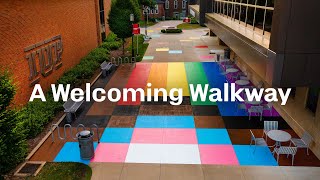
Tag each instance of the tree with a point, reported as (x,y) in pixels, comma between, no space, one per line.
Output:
(119,18)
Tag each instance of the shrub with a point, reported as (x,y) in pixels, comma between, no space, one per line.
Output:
(112,37)
(7,90)
(13,145)
(111,45)
(171,30)
(193,21)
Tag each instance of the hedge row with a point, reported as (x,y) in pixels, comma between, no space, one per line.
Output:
(18,125)
(171,30)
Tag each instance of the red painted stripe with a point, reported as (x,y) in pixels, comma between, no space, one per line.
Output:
(138,79)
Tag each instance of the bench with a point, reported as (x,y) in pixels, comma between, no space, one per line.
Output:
(70,108)
(105,67)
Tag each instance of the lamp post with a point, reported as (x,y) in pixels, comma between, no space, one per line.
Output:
(131,20)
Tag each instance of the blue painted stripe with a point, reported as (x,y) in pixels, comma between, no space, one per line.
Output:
(165,122)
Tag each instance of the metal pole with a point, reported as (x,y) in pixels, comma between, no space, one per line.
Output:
(132,46)
(137,45)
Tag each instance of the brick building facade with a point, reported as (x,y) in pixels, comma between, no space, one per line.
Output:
(30,30)
(169,9)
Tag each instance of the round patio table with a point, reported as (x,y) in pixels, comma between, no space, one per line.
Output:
(242,82)
(232,70)
(279,136)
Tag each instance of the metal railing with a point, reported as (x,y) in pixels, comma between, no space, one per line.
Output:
(80,126)
(119,60)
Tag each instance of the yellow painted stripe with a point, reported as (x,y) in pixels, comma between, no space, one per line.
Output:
(158,76)
(185,40)
(177,78)
(194,38)
(150,31)
(162,49)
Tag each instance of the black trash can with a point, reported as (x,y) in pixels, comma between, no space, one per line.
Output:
(85,139)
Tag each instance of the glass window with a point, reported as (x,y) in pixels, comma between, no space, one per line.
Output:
(236,11)
(156,9)
(252,2)
(270,3)
(167,4)
(184,4)
(312,99)
(261,2)
(225,8)
(175,4)
(268,23)
(259,18)
(250,15)
(243,13)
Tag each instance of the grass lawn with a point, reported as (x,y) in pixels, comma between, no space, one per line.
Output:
(68,171)
(142,47)
(187,26)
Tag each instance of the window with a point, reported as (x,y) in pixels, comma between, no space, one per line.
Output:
(102,20)
(256,13)
(184,4)
(167,4)
(156,9)
(312,99)
(175,4)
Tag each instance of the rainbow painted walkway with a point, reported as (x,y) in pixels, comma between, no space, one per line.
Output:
(195,132)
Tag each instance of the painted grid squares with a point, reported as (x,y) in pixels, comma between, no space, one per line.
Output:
(117,135)
(218,154)
(260,157)
(163,153)
(213,136)
(110,152)
(70,152)
(165,122)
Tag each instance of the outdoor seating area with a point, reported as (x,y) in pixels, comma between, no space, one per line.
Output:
(233,74)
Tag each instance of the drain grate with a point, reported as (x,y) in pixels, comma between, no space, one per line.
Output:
(30,168)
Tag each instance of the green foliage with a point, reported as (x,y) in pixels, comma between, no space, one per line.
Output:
(150,3)
(35,115)
(86,68)
(16,126)
(193,21)
(171,30)
(13,145)
(141,46)
(7,90)
(119,17)
(112,37)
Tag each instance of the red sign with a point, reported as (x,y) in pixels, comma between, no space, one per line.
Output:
(186,20)
(135,29)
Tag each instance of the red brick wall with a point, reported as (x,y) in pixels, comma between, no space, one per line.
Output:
(170,12)
(24,23)
(107,7)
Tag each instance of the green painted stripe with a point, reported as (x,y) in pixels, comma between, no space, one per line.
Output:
(196,75)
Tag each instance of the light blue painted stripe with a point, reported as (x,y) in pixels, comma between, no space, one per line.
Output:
(117,135)
(175,52)
(155,36)
(165,122)
(148,58)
